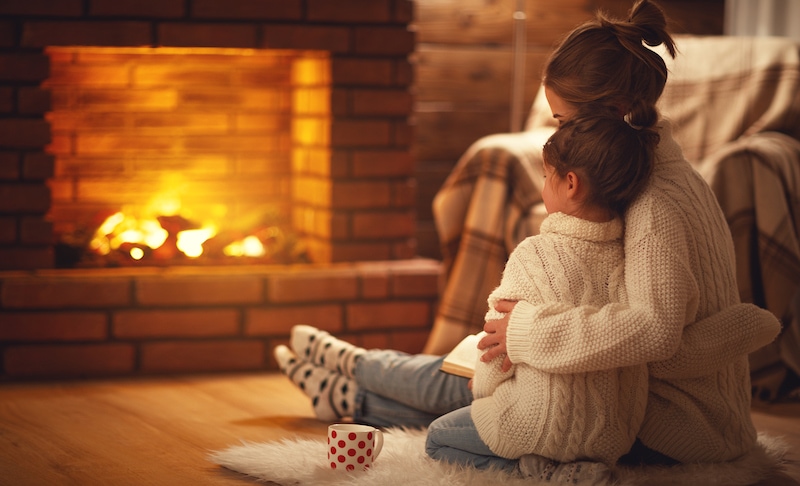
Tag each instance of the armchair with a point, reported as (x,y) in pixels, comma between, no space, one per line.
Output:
(734,103)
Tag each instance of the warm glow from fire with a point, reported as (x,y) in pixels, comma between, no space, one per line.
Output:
(190,242)
(250,246)
(120,229)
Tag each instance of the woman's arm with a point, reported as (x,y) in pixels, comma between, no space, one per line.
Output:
(568,339)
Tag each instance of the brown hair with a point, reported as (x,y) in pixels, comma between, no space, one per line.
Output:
(604,61)
(613,158)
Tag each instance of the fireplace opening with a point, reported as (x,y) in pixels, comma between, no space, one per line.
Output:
(171,156)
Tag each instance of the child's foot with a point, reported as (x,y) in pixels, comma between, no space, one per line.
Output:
(322,349)
(332,394)
(583,473)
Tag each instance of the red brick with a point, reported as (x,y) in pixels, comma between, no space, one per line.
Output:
(411,342)
(35,231)
(38,166)
(360,251)
(359,195)
(24,133)
(405,249)
(372,11)
(69,360)
(137,8)
(402,134)
(384,40)
(107,33)
(374,340)
(175,323)
(33,101)
(7,99)
(247,9)
(381,102)
(329,38)
(174,357)
(24,67)
(278,321)
(404,73)
(364,133)
(26,258)
(50,293)
(416,284)
(340,103)
(311,285)
(199,290)
(404,11)
(387,315)
(374,280)
(61,8)
(9,166)
(8,230)
(207,35)
(361,72)
(382,163)
(383,224)
(404,193)
(53,326)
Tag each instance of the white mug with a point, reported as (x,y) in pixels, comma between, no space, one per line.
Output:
(353,446)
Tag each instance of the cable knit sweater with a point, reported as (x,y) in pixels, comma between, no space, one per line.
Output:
(679,275)
(564,417)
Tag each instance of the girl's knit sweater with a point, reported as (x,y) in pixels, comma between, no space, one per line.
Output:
(565,417)
(679,275)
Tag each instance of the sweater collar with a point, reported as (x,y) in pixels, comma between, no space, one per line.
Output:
(566,225)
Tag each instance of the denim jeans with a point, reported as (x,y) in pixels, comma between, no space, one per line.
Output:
(404,390)
(453,438)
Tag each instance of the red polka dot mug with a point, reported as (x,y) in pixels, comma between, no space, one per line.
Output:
(353,447)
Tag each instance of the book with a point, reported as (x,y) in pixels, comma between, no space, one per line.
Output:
(462,359)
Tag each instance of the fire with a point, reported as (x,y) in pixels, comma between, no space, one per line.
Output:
(138,237)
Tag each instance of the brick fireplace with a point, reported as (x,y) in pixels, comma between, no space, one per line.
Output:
(347,188)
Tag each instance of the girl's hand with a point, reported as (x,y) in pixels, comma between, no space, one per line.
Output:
(494,343)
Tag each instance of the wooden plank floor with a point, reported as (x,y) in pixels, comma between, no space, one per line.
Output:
(154,431)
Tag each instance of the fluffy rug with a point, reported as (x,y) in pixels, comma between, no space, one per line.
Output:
(403,462)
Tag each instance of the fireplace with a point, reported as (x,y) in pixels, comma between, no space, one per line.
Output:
(339,175)
(169,156)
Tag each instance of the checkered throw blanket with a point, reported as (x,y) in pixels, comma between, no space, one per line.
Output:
(735,108)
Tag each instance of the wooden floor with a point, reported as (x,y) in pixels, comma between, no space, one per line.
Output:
(159,431)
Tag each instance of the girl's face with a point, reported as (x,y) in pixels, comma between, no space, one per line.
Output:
(562,110)
(553,191)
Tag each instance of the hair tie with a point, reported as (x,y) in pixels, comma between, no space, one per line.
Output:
(627,119)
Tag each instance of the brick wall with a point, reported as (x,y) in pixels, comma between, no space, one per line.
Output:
(369,153)
(354,199)
(78,323)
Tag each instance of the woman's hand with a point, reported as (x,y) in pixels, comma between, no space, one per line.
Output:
(495,342)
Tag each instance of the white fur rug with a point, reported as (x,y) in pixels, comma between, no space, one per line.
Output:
(403,462)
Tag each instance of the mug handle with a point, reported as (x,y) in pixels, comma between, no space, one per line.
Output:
(378,444)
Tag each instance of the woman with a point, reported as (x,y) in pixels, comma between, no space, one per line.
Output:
(683,318)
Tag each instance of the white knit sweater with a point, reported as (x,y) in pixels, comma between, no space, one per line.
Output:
(679,275)
(561,416)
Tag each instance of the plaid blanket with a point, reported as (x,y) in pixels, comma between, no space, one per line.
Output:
(735,108)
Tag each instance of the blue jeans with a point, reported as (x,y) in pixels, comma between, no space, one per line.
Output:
(399,389)
(454,438)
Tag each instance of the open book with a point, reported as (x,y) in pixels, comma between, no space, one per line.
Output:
(461,360)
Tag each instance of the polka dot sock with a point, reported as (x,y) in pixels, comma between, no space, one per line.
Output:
(332,394)
(322,349)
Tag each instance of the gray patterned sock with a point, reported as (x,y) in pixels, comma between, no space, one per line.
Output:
(332,394)
(322,349)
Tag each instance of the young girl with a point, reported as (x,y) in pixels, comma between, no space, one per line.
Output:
(594,166)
